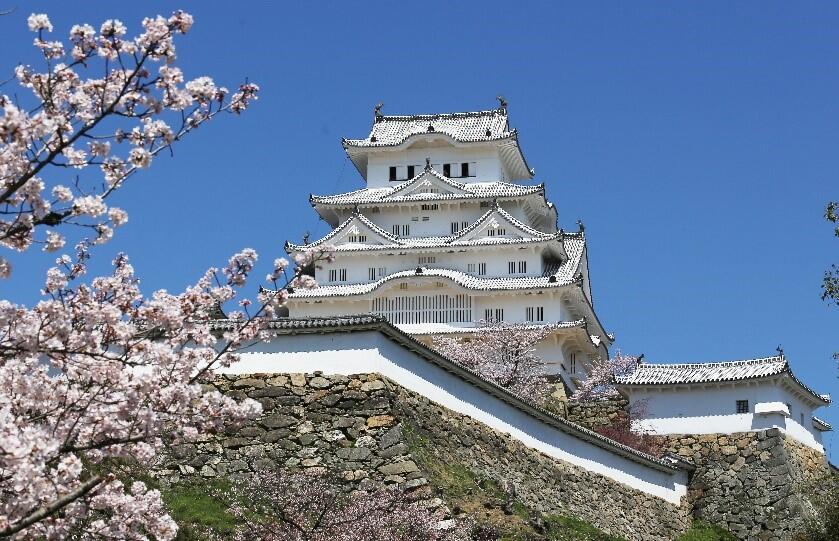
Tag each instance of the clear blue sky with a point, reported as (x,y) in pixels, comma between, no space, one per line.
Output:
(697,140)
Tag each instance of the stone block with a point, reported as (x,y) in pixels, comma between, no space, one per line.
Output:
(256,383)
(278,421)
(377,421)
(397,468)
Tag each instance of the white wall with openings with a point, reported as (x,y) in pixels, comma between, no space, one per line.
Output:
(726,409)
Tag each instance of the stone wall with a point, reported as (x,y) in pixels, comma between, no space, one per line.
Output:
(541,482)
(356,427)
(314,422)
(596,413)
(750,483)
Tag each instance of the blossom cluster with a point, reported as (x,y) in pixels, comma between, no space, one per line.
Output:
(599,384)
(102,101)
(504,353)
(99,372)
(274,506)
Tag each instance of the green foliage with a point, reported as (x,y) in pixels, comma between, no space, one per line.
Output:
(560,528)
(702,531)
(830,283)
(199,507)
(496,514)
(823,496)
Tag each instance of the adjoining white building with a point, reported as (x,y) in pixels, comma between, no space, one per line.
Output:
(444,236)
(725,398)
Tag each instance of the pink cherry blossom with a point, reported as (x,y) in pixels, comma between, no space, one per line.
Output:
(504,353)
(599,384)
(106,100)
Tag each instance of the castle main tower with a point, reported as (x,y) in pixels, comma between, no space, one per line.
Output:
(446,234)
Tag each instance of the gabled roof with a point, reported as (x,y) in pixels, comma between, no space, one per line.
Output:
(462,127)
(460,239)
(401,193)
(369,322)
(700,373)
(427,178)
(472,127)
(354,220)
(490,218)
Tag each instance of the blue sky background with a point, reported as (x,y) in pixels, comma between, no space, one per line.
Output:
(697,140)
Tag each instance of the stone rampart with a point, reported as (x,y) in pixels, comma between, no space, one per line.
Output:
(356,426)
(751,483)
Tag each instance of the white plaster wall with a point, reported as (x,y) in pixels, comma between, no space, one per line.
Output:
(439,222)
(487,162)
(371,352)
(496,258)
(513,303)
(711,410)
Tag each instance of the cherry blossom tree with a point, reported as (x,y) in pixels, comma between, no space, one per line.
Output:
(95,373)
(102,101)
(312,507)
(504,353)
(599,384)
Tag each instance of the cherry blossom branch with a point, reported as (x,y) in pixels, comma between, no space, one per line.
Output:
(48,510)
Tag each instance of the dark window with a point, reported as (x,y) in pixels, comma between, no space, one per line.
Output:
(411,171)
(393,173)
(447,169)
(742,406)
(464,169)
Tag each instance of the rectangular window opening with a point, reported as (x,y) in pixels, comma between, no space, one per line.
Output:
(447,170)
(411,170)
(392,173)
(742,406)
(464,169)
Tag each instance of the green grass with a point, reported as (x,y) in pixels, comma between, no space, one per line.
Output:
(197,508)
(702,531)
(483,499)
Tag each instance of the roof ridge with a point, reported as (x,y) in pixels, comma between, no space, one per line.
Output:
(432,116)
(718,363)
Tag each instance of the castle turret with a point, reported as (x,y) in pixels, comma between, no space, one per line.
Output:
(443,237)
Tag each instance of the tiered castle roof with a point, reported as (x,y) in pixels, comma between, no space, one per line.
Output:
(471,127)
(492,217)
(496,216)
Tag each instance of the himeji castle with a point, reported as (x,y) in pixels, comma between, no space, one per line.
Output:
(450,231)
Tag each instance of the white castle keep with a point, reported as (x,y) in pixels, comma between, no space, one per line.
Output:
(446,234)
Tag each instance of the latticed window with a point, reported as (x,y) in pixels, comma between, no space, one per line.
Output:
(519,267)
(337,275)
(357,238)
(494,314)
(534,313)
(375,273)
(742,406)
(459,226)
(413,309)
(427,259)
(496,232)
